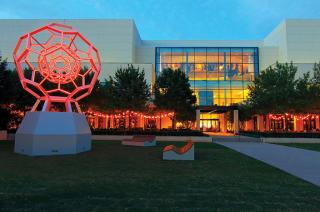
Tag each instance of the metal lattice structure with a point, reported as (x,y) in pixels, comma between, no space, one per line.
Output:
(56,63)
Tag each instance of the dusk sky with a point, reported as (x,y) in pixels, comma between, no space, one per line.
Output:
(174,19)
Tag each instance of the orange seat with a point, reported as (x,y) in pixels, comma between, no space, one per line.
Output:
(168,148)
(181,150)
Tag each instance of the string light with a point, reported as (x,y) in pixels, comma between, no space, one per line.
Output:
(129,113)
(288,116)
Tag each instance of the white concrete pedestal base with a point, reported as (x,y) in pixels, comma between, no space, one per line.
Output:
(53,133)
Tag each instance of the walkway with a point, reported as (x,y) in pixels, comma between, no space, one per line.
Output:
(301,163)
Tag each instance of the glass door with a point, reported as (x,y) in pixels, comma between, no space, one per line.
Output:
(210,125)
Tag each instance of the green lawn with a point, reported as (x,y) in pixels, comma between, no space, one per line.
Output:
(117,178)
(315,147)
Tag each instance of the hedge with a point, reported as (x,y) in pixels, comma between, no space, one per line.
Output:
(148,132)
(162,132)
(281,134)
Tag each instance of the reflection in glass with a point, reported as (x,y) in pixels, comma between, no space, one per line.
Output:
(218,75)
(212,55)
(178,55)
(200,55)
(236,55)
(224,55)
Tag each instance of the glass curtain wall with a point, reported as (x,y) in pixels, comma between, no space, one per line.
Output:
(218,76)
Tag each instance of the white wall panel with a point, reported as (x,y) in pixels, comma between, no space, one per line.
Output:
(119,42)
(113,38)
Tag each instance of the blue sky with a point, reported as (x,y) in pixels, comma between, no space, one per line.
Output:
(175,19)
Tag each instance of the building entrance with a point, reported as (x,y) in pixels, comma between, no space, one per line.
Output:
(210,125)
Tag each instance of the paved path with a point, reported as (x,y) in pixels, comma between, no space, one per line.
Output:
(301,163)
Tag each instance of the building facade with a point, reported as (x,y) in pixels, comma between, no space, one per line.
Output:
(219,71)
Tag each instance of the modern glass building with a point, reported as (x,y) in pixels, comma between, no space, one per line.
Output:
(219,71)
(218,76)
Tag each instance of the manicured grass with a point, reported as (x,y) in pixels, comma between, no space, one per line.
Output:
(315,147)
(117,178)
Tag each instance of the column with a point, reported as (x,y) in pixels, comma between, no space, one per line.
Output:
(111,121)
(198,119)
(107,122)
(96,121)
(141,122)
(223,123)
(126,122)
(267,123)
(137,121)
(299,125)
(225,129)
(104,121)
(236,122)
(260,123)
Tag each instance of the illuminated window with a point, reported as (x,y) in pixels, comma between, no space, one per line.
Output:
(236,55)
(165,55)
(217,75)
(205,98)
(178,55)
(224,55)
(200,55)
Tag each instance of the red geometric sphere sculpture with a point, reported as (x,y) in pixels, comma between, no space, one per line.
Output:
(56,63)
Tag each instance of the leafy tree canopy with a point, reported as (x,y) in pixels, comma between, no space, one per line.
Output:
(315,88)
(11,91)
(173,93)
(277,90)
(102,97)
(316,73)
(131,90)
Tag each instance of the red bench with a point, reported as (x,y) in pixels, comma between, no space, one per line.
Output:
(140,140)
(172,152)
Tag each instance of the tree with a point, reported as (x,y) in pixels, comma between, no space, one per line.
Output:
(316,73)
(131,89)
(307,92)
(4,81)
(12,96)
(5,118)
(277,90)
(102,97)
(11,91)
(274,90)
(246,111)
(315,88)
(303,94)
(18,96)
(172,92)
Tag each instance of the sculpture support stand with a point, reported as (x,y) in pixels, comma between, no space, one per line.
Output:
(53,133)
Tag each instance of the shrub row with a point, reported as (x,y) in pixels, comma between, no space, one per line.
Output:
(147,132)
(281,134)
(164,132)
